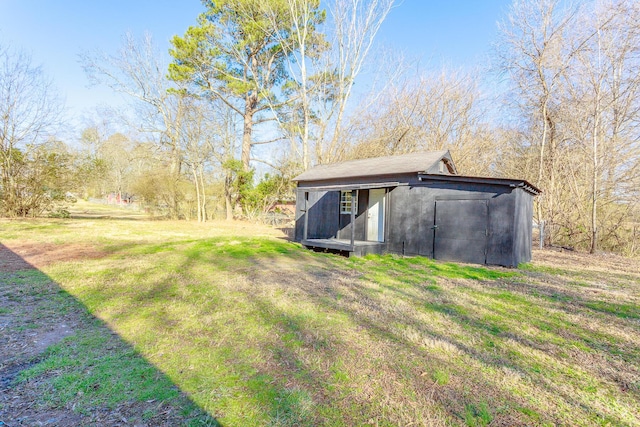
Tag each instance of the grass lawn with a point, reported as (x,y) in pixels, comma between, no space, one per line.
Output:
(253,330)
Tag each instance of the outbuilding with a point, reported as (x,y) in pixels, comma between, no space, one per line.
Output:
(414,204)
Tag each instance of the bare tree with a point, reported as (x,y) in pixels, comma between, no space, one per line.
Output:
(118,152)
(434,111)
(534,51)
(138,72)
(604,93)
(574,74)
(29,112)
(303,44)
(355,26)
(203,141)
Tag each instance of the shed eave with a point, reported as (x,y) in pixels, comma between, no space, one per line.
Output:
(349,186)
(520,183)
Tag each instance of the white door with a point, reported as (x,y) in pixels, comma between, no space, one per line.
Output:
(375,216)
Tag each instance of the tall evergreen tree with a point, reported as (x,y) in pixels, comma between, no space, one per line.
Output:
(236,55)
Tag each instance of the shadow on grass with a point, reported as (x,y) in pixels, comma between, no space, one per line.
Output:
(497,332)
(61,365)
(502,332)
(268,334)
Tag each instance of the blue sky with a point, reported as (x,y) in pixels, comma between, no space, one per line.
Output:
(457,33)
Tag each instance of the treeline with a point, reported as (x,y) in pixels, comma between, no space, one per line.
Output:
(575,99)
(566,118)
(270,85)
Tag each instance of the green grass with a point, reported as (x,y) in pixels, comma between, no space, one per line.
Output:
(418,270)
(543,269)
(92,368)
(477,415)
(625,311)
(105,378)
(441,377)
(258,331)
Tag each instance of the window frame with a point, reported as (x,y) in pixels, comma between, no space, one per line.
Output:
(347,202)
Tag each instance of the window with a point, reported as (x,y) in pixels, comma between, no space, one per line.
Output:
(346,202)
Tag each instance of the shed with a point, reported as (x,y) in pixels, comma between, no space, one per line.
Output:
(414,204)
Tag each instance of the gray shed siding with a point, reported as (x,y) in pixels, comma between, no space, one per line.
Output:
(344,222)
(523,227)
(411,217)
(323,209)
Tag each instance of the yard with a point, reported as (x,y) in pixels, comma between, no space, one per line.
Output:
(112,319)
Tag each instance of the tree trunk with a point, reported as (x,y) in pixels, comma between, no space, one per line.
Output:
(552,154)
(305,134)
(249,111)
(204,196)
(197,185)
(594,188)
(175,173)
(305,107)
(228,202)
(539,204)
(175,166)
(229,207)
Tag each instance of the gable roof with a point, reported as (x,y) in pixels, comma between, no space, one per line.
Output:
(425,162)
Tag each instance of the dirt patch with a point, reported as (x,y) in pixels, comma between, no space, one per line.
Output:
(10,261)
(22,255)
(27,328)
(23,411)
(29,415)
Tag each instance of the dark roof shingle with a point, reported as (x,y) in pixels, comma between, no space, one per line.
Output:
(389,165)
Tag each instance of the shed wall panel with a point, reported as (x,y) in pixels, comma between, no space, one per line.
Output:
(522,227)
(361,218)
(462,227)
(500,242)
(412,217)
(299,219)
(404,220)
(323,208)
(427,223)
